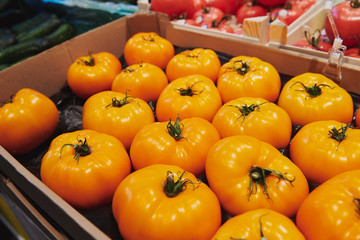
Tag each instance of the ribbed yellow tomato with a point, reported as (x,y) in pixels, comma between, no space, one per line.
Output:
(311,97)
(246,174)
(85,167)
(255,117)
(191,96)
(245,76)
(183,143)
(162,202)
(195,61)
(116,114)
(259,224)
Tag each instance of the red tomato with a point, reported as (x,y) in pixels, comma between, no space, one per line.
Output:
(332,210)
(221,26)
(353,52)
(289,13)
(207,15)
(314,41)
(85,167)
(302,4)
(248,11)
(26,121)
(227,6)
(176,8)
(186,22)
(271,3)
(347,20)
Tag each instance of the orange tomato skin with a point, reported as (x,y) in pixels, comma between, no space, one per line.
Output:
(334,102)
(144,81)
(228,165)
(85,80)
(148,47)
(267,122)
(261,80)
(203,103)
(91,181)
(154,145)
(28,121)
(357,118)
(312,148)
(274,225)
(331,210)
(196,61)
(121,122)
(143,210)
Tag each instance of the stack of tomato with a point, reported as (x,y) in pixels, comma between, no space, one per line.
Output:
(346,17)
(205,162)
(228,15)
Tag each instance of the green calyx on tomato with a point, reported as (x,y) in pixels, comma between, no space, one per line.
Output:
(314,38)
(175,129)
(172,188)
(81,149)
(189,91)
(313,91)
(244,67)
(90,62)
(339,134)
(247,109)
(354,4)
(119,103)
(258,176)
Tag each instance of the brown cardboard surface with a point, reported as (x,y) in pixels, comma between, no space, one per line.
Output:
(46,73)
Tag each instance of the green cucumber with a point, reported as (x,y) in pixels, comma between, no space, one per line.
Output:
(41,30)
(28,24)
(61,34)
(21,50)
(7,38)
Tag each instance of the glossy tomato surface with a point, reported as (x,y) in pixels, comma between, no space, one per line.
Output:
(91,74)
(117,114)
(247,174)
(259,224)
(85,167)
(195,61)
(255,117)
(26,121)
(310,97)
(347,19)
(183,143)
(191,96)
(325,143)
(245,76)
(144,81)
(144,210)
(148,47)
(332,210)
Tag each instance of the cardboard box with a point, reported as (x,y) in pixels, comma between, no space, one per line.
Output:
(46,73)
